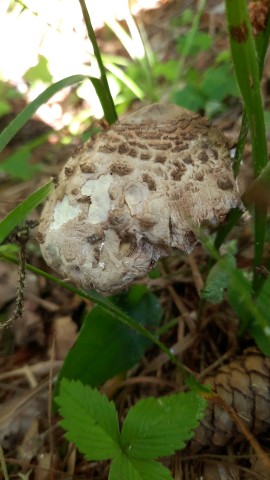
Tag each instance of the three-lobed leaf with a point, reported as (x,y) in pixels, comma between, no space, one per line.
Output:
(90,420)
(154,427)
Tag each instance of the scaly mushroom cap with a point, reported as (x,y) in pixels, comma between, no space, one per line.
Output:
(133,192)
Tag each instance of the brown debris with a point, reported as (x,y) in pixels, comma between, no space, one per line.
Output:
(258,12)
(239,33)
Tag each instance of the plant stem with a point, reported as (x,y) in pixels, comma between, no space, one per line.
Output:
(248,76)
(261,43)
(112,117)
(98,299)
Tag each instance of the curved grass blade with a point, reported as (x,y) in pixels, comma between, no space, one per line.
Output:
(10,131)
(125,79)
(105,100)
(111,115)
(261,42)
(105,303)
(248,70)
(22,210)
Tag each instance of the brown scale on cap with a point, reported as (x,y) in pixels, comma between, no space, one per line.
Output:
(146,183)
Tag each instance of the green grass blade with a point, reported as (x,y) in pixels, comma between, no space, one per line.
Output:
(10,131)
(189,42)
(103,302)
(125,79)
(108,105)
(248,77)
(247,71)
(261,42)
(22,210)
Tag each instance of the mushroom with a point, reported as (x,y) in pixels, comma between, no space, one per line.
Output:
(135,192)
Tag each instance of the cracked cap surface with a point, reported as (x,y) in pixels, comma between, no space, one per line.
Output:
(132,193)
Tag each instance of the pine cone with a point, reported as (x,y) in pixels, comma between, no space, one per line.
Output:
(244,384)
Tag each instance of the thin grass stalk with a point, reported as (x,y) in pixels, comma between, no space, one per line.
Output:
(134,45)
(261,42)
(138,40)
(111,115)
(248,76)
(105,303)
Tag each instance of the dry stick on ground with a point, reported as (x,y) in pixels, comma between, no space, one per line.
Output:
(198,281)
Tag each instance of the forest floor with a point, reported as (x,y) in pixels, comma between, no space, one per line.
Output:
(205,338)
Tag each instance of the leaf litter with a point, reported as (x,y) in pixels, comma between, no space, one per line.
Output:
(206,344)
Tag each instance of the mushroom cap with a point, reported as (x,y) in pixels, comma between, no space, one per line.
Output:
(133,193)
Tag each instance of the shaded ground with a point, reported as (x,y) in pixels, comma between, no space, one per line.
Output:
(204,337)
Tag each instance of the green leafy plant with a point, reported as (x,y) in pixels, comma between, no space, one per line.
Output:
(207,91)
(90,360)
(226,280)
(153,428)
(144,76)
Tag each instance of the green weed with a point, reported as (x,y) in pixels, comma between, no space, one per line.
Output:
(153,428)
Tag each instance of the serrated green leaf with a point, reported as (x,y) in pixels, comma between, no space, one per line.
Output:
(157,427)
(90,420)
(125,468)
(106,347)
(218,279)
